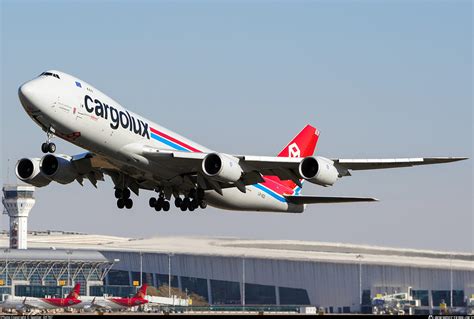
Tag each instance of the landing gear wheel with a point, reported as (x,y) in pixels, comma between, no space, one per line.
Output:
(44,148)
(166,206)
(178,201)
(152,202)
(160,202)
(51,147)
(118,193)
(185,204)
(128,203)
(203,204)
(120,203)
(192,204)
(126,193)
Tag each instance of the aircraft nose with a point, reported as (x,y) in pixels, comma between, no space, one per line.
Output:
(28,91)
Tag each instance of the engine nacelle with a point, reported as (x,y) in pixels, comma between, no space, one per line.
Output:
(222,167)
(28,171)
(58,168)
(318,170)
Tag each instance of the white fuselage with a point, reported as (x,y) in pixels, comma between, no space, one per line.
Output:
(28,303)
(90,303)
(86,117)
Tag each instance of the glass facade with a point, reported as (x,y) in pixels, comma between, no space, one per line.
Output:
(366,306)
(40,278)
(96,290)
(38,291)
(422,295)
(18,194)
(195,285)
(225,292)
(293,296)
(440,295)
(147,278)
(118,277)
(259,295)
(458,298)
(116,291)
(163,280)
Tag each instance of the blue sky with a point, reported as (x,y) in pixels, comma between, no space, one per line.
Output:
(391,79)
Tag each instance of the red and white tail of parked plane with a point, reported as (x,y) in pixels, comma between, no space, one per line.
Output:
(139,154)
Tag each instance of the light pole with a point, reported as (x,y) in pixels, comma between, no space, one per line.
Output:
(359,257)
(6,251)
(141,269)
(243,280)
(68,252)
(169,274)
(451,279)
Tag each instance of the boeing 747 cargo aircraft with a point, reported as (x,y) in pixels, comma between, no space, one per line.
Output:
(139,154)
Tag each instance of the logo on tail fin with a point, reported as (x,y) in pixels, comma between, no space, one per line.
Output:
(142,291)
(294,150)
(74,294)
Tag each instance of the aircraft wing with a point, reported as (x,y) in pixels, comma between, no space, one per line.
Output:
(327,200)
(343,165)
(187,168)
(286,168)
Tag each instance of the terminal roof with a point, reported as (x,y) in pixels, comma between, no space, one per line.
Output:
(268,249)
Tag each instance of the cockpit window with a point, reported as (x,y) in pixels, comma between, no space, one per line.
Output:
(49,74)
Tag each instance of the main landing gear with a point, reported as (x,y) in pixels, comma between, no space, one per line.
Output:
(160,203)
(123,198)
(48,146)
(192,201)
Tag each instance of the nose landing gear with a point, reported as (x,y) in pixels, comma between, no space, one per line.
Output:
(48,146)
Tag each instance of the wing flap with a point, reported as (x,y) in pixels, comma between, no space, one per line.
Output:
(327,200)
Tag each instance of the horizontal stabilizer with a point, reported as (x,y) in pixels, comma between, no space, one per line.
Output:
(327,200)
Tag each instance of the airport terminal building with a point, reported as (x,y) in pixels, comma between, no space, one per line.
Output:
(227,271)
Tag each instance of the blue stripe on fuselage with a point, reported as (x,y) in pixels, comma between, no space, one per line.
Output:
(269,192)
(169,143)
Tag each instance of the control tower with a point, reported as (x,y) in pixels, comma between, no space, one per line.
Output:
(18,200)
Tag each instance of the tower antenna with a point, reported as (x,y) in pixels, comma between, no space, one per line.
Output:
(8,171)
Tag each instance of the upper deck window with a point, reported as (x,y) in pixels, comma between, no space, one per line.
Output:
(50,74)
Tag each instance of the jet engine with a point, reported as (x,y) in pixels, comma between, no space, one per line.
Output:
(318,170)
(58,168)
(28,170)
(222,167)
